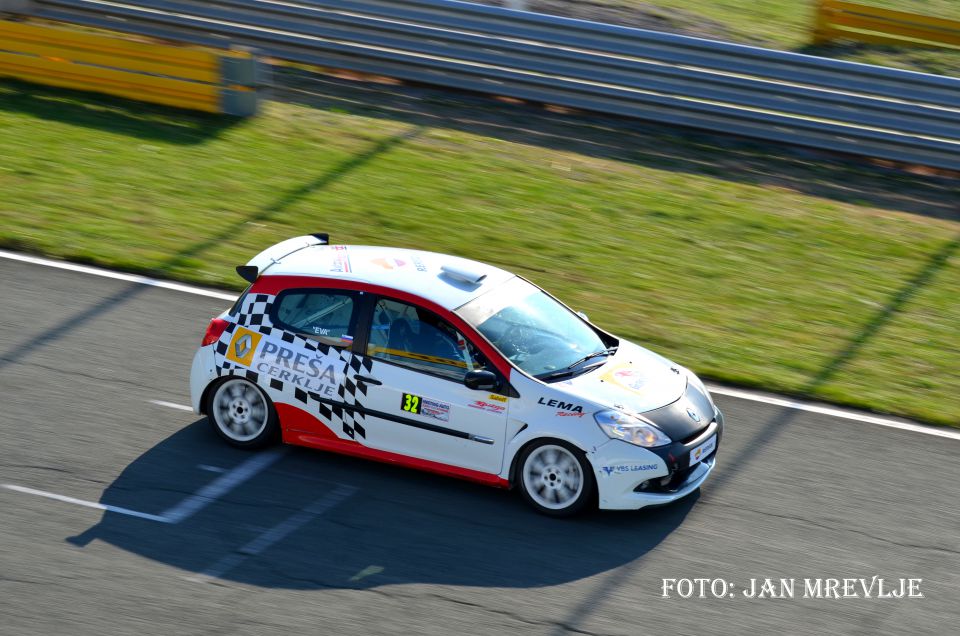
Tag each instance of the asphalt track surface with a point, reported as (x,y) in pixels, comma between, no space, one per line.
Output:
(299,541)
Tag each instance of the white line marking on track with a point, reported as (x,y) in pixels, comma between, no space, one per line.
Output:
(277,533)
(87,504)
(171,405)
(211,469)
(130,278)
(370,570)
(836,412)
(222,485)
(745,395)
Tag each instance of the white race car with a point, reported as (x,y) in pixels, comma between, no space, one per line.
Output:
(451,366)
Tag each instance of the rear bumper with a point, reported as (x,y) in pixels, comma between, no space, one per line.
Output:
(202,372)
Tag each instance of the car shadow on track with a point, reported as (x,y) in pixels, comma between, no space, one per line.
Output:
(317,520)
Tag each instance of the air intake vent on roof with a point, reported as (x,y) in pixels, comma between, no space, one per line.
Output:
(463,274)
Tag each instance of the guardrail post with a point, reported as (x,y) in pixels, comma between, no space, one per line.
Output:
(240,77)
(21,7)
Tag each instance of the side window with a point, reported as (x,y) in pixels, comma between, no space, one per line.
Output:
(323,314)
(414,337)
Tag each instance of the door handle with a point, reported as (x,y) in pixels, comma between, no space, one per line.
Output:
(367,380)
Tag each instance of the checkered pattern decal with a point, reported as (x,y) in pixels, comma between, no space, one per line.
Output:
(344,422)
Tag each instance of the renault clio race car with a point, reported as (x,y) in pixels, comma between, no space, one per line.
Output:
(451,366)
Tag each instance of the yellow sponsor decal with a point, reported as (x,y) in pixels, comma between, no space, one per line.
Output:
(497,398)
(243,346)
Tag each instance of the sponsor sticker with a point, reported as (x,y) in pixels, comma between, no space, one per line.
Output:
(497,398)
(703,450)
(318,372)
(436,410)
(341,260)
(489,407)
(419,405)
(627,468)
(243,346)
(569,407)
(626,377)
(388,263)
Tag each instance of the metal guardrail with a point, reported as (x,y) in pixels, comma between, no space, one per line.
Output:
(185,77)
(841,20)
(772,95)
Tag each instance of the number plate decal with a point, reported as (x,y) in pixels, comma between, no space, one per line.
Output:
(410,403)
(427,407)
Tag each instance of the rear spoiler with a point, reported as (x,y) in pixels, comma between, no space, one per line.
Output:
(275,253)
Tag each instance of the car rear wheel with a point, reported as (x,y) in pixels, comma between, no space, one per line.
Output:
(242,414)
(555,478)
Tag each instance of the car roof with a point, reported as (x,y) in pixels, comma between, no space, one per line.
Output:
(448,281)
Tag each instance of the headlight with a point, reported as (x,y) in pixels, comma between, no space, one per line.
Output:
(631,429)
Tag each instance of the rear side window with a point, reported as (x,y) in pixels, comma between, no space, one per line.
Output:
(322,314)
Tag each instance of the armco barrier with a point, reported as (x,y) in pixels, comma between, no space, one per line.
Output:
(839,20)
(171,75)
(674,79)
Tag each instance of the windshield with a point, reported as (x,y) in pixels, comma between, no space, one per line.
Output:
(533,330)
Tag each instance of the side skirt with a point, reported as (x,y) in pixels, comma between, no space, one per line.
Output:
(294,420)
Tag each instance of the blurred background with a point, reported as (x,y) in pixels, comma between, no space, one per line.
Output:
(804,269)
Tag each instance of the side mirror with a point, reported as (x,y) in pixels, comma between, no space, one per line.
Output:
(481,380)
(583,315)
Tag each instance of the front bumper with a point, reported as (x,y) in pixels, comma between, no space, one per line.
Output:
(630,477)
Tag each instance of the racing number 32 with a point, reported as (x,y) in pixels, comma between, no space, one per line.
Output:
(410,403)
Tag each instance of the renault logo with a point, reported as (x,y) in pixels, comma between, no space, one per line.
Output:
(693,414)
(242,346)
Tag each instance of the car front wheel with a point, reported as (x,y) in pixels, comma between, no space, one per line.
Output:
(555,478)
(242,414)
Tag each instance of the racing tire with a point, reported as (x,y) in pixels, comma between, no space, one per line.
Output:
(555,478)
(242,414)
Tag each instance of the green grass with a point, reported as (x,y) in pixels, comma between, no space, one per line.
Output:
(796,274)
(778,24)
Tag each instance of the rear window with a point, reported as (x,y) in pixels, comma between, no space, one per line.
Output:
(325,315)
(239,302)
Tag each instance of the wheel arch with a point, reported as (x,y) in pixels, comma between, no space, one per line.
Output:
(212,385)
(205,394)
(521,446)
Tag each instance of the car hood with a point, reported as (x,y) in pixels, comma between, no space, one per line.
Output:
(635,380)
(638,381)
